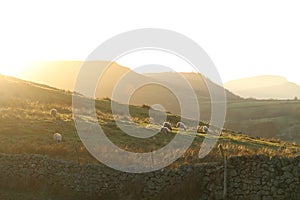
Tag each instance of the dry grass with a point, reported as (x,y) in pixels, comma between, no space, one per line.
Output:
(27,127)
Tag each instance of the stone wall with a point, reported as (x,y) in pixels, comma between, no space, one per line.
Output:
(249,177)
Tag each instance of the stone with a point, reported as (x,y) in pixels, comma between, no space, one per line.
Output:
(233,173)
(249,177)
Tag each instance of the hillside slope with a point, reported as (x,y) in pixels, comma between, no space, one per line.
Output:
(198,82)
(63,74)
(278,119)
(27,127)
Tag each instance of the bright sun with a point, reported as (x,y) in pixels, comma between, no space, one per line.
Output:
(11,71)
(13,62)
(12,68)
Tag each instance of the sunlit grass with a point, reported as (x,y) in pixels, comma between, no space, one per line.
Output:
(27,127)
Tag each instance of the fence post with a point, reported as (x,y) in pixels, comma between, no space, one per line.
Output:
(77,153)
(225,172)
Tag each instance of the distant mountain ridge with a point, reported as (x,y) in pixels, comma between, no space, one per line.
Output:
(264,87)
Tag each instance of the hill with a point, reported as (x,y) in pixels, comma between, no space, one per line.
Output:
(63,74)
(27,127)
(271,118)
(196,80)
(264,87)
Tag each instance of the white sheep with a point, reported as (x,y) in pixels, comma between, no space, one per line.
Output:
(57,137)
(181,125)
(205,128)
(165,130)
(167,125)
(53,112)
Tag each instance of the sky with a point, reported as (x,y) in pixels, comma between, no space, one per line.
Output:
(243,38)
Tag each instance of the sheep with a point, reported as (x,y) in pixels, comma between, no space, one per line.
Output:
(205,128)
(168,125)
(53,112)
(202,129)
(57,137)
(181,125)
(165,130)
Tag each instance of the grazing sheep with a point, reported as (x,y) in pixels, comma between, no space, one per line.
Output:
(165,130)
(57,137)
(181,125)
(202,129)
(205,128)
(53,112)
(168,125)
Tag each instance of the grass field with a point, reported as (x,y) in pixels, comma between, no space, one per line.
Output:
(265,118)
(27,127)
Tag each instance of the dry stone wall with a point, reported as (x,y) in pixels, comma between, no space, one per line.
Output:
(249,177)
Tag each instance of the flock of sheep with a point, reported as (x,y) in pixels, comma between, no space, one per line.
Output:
(166,128)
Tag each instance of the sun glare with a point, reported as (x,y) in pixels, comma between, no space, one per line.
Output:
(12,69)
(5,71)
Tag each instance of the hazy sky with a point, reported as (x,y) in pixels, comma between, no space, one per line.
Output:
(243,38)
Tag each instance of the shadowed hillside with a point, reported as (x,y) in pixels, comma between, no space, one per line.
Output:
(265,118)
